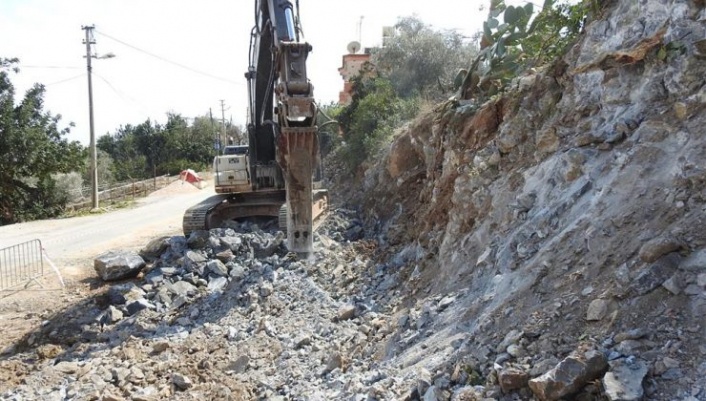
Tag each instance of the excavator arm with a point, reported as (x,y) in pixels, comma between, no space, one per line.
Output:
(282,114)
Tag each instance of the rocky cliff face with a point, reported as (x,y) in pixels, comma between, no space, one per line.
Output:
(571,206)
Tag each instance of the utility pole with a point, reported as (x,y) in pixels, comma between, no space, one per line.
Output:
(360,30)
(94,156)
(216,144)
(88,41)
(223,124)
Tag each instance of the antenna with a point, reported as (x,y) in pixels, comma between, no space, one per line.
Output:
(353,47)
(360,29)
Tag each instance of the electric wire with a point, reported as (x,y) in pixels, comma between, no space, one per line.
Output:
(63,67)
(141,107)
(169,61)
(65,80)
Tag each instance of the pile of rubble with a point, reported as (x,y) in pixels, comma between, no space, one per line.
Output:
(230,314)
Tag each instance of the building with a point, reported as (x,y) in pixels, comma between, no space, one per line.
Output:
(351,66)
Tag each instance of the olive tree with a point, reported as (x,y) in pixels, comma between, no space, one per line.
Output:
(419,60)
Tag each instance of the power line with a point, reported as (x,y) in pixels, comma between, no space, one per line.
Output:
(66,80)
(124,96)
(170,61)
(64,67)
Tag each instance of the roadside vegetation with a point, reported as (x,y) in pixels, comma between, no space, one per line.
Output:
(149,149)
(41,171)
(420,66)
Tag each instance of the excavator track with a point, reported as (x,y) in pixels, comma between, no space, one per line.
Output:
(196,217)
(215,211)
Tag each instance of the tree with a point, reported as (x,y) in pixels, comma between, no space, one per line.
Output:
(371,117)
(419,60)
(128,162)
(32,148)
(148,149)
(329,127)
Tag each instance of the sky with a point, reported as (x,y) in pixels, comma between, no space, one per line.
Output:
(184,56)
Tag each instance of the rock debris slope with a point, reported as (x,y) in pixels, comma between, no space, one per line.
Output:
(225,314)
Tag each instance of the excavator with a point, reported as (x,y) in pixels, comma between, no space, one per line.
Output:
(278,173)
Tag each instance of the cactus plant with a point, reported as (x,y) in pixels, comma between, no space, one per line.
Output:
(509,42)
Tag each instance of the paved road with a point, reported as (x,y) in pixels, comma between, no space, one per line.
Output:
(73,243)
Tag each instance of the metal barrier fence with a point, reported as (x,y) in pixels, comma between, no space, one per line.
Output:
(20,264)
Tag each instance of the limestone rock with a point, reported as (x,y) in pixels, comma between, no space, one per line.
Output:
(149,393)
(543,366)
(108,396)
(182,288)
(67,367)
(217,267)
(547,141)
(195,262)
(217,284)
(655,274)
(198,239)
(155,248)
(569,376)
(267,249)
(138,305)
(634,334)
(237,271)
(225,256)
(113,315)
(597,309)
(424,381)
(624,380)
(49,351)
(232,243)
(240,365)
(160,347)
(695,262)
(512,379)
(154,277)
(403,157)
(346,312)
(673,285)
(512,337)
(430,394)
(701,280)
(181,382)
(335,361)
(116,265)
(266,289)
(658,247)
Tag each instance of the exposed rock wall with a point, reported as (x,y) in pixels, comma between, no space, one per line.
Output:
(541,201)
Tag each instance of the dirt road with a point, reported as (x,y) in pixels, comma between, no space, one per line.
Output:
(73,243)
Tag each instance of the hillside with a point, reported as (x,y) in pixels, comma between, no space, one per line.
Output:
(565,212)
(547,244)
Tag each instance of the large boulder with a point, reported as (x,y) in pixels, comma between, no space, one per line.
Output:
(116,265)
(195,262)
(155,248)
(569,376)
(624,380)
